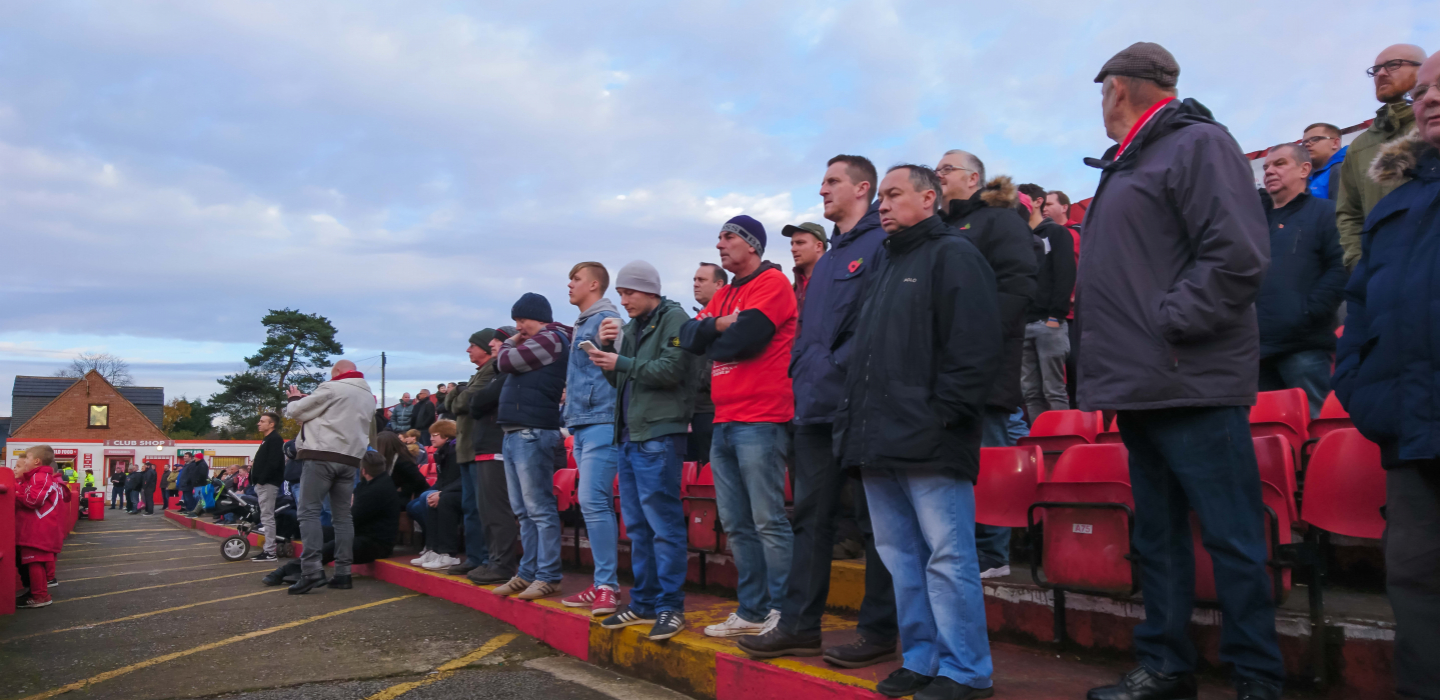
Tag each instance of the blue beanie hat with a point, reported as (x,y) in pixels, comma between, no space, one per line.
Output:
(532,306)
(749,229)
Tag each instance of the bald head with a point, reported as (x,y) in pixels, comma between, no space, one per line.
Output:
(1393,80)
(1427,101)
(342,367)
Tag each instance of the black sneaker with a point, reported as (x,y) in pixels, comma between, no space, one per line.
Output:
(628,617)
(489,576)
(943,688)
(777,643)
(903,682)
(52,583)
(1256,690)
(308,583)
(30,603)
(1143,684)
(264,556)
(861,653)
(340,581)
(667,625)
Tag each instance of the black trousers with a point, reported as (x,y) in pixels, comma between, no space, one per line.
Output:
(365,551)
(1070,364)
(1412,567)
(702,430)
(819,487)
(443,524)
(501,529)
(148,496)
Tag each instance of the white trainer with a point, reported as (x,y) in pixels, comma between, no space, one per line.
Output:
(734,626)
(425,556)
(996,572)
(771,622)
(442,561)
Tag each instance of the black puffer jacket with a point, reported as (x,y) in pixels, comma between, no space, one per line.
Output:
(269,465)
(926,345)
(1175,248)
(989,220)
(1055,281)
(1305,284)
(486,436)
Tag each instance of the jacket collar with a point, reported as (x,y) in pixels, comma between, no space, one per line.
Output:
(602,305)
(867,223)
(1173,116)
(764,265)
(909,239)
(1293,205)
(348,375)
(1393,117)
(1140,124)
(964,207)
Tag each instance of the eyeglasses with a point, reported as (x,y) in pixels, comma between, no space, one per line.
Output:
(1418,94)
(1315,139)
(944,170)
(1389,67)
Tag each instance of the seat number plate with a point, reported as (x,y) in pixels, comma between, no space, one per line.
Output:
(1083,529)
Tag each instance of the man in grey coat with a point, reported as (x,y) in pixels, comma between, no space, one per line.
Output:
(1175,248)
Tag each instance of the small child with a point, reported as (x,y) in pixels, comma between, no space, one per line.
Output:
(39,522)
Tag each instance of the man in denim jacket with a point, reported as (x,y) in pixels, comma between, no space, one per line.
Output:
(590,415)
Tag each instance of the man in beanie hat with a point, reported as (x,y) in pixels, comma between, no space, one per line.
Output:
(589,416)
(1176,247)
(656,381)
(457,402)
(748,329)
(482,403)
(534,361)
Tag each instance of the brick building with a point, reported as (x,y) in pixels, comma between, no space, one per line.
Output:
(98,428)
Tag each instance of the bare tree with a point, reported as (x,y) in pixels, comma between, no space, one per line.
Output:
(112,368)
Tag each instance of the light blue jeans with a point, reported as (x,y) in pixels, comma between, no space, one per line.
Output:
(748,462)
(595,455)
(530,479)
(925,532)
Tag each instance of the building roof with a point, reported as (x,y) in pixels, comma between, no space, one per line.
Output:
(31,394)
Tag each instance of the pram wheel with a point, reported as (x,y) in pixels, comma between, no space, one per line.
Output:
(235,548)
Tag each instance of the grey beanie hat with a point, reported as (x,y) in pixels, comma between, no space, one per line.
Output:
(639,276)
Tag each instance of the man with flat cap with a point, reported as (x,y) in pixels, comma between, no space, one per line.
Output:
(1175,247)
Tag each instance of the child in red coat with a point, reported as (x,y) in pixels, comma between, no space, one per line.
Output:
(40,495)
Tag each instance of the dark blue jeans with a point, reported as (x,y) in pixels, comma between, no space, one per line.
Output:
(1200,459)
(655,522)
(477,552)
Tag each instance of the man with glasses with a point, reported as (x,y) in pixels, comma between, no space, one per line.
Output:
(1394,75)
(1323,142)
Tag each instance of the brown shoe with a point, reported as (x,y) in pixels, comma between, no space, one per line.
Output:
(539,589)
(511,587)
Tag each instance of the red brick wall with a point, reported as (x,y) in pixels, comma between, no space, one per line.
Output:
(68,416)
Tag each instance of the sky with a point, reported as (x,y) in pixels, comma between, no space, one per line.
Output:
(171,170)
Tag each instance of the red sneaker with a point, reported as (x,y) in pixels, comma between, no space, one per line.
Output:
(583,599)
(606,601)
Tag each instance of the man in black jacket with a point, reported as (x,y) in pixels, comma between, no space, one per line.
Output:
(192,476)
(117,486)
(267,473)
(928,341)
(376,514)
(1303,288)
(487,439)
(1047,339)
(1172,258)
(134,480)
(984,212)
(424,416)
(148,480)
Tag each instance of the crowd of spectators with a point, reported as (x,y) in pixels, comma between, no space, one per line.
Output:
(943,310)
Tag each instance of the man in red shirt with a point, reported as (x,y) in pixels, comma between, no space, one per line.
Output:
(747,329)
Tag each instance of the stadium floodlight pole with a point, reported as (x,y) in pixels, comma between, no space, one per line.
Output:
(382,381)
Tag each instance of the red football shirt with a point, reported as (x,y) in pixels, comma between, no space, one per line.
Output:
(756,390)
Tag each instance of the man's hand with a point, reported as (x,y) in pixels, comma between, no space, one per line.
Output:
(725,322)
(603,360)
(293,392)
(433,500)
(609,330)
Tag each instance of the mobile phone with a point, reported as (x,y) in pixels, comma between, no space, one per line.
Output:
(587,346)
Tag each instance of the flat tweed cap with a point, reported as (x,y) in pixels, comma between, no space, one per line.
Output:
(1143,60)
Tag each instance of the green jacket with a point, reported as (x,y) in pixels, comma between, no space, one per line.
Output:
(458,403)
(660,375)
(1358,193)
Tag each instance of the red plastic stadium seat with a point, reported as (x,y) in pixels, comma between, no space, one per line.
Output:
(1285,413)
(1089,511)
(1057,431)
(1111,434)
(565,483)
(1007,484)
(1277,491)
(701,516)
(570,452)
(1332,417)
(1345,486)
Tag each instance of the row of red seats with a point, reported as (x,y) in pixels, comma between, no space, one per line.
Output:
(1285,414)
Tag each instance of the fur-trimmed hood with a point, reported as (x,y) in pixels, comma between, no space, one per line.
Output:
(1398,158)
(1000,192)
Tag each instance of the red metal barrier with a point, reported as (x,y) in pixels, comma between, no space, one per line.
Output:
(7,541)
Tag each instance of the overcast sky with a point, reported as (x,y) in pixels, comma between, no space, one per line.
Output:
(170,170)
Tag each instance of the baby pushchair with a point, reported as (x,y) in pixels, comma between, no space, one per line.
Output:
(247,511)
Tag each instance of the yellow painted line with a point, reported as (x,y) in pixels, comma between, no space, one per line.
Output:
(146,588)
(132,563)
(141,615)
(119,532)
(98,678)
(138,554)
(445,670)
(114,549)
(158,571)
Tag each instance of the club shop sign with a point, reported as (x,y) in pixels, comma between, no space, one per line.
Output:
(139,443)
